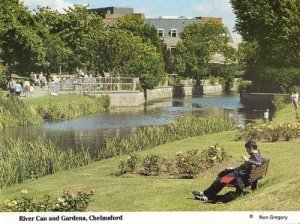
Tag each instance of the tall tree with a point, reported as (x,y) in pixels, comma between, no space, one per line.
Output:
(120,52)
(21,45)
(198,48)
(81,31)
(274,25)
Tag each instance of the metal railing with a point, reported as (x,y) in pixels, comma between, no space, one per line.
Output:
(95,85)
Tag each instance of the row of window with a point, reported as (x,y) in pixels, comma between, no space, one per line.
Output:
(172,33)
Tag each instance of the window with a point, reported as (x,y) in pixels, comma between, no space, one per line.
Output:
(173,32)
(160,32)
(173,49)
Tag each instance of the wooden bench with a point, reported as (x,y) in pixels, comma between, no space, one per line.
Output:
(256,173)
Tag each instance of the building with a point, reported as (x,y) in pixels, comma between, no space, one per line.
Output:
(109,14)
(168,27)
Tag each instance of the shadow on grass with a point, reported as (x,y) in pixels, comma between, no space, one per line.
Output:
(224,198)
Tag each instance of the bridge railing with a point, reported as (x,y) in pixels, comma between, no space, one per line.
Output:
(96,85)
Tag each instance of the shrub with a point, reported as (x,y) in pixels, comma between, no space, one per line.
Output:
(151,165)
(214,154)
(278,78)
(189,165)
(283,131)
(130,165)
(68,202)
(279,102)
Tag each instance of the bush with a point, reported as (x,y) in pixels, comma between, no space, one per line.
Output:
(189,165)
(130,165)
(279,102)
(151,165)
(278,79)
(186,165)
(283,131)
(68,202)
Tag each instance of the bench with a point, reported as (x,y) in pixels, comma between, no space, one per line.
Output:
(256,173)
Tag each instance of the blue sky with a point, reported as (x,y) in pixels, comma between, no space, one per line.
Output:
(154,8)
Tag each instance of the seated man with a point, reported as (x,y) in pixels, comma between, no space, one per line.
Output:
(239,175)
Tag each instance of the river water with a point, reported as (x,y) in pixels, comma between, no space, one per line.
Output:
(91,131)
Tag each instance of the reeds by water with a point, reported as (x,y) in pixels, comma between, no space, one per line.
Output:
(21,160)
(13,112)
(151,136)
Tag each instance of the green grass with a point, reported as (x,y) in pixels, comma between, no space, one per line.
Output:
(279,190)
(65,107)
(46,100)
(287,114)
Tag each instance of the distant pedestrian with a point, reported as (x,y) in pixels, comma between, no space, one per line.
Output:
(18,89)
(266,115)
(295,99)
(26,88)
(11,86)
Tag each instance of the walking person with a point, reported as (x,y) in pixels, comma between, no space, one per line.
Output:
(295,99)
(266,116)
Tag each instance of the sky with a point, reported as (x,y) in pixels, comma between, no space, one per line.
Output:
(154,8)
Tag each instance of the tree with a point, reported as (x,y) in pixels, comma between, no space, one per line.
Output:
(274,25)
(139,27)
(168,59)
(120,52)
(81,32)
(200,44)
(21,45)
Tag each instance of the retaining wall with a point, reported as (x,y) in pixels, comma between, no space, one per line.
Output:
(258,99)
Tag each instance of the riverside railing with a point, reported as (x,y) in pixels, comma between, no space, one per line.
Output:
(96,85)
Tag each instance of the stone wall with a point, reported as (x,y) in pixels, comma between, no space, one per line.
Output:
(159,93)
(126,99)
(258,99)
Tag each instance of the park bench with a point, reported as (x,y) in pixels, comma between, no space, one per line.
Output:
(256,173)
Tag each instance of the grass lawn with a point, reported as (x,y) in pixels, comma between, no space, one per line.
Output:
(47,100)
(287,114)
(279,190)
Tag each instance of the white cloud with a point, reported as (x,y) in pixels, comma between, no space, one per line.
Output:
(58,5)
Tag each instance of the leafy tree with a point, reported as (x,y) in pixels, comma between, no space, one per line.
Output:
(81,32)
(137,25)
(168,59)
(200,44)
(21,45)
(275,28)
(120,52)
(56,52)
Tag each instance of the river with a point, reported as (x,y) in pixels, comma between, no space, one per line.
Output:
(91,131)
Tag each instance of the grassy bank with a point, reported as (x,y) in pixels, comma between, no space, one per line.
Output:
(16,112)
(279,190)
(65,107)
(13,112)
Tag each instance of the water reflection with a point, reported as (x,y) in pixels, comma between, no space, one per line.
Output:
(91,131)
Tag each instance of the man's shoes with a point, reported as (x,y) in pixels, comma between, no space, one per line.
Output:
(200,196)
